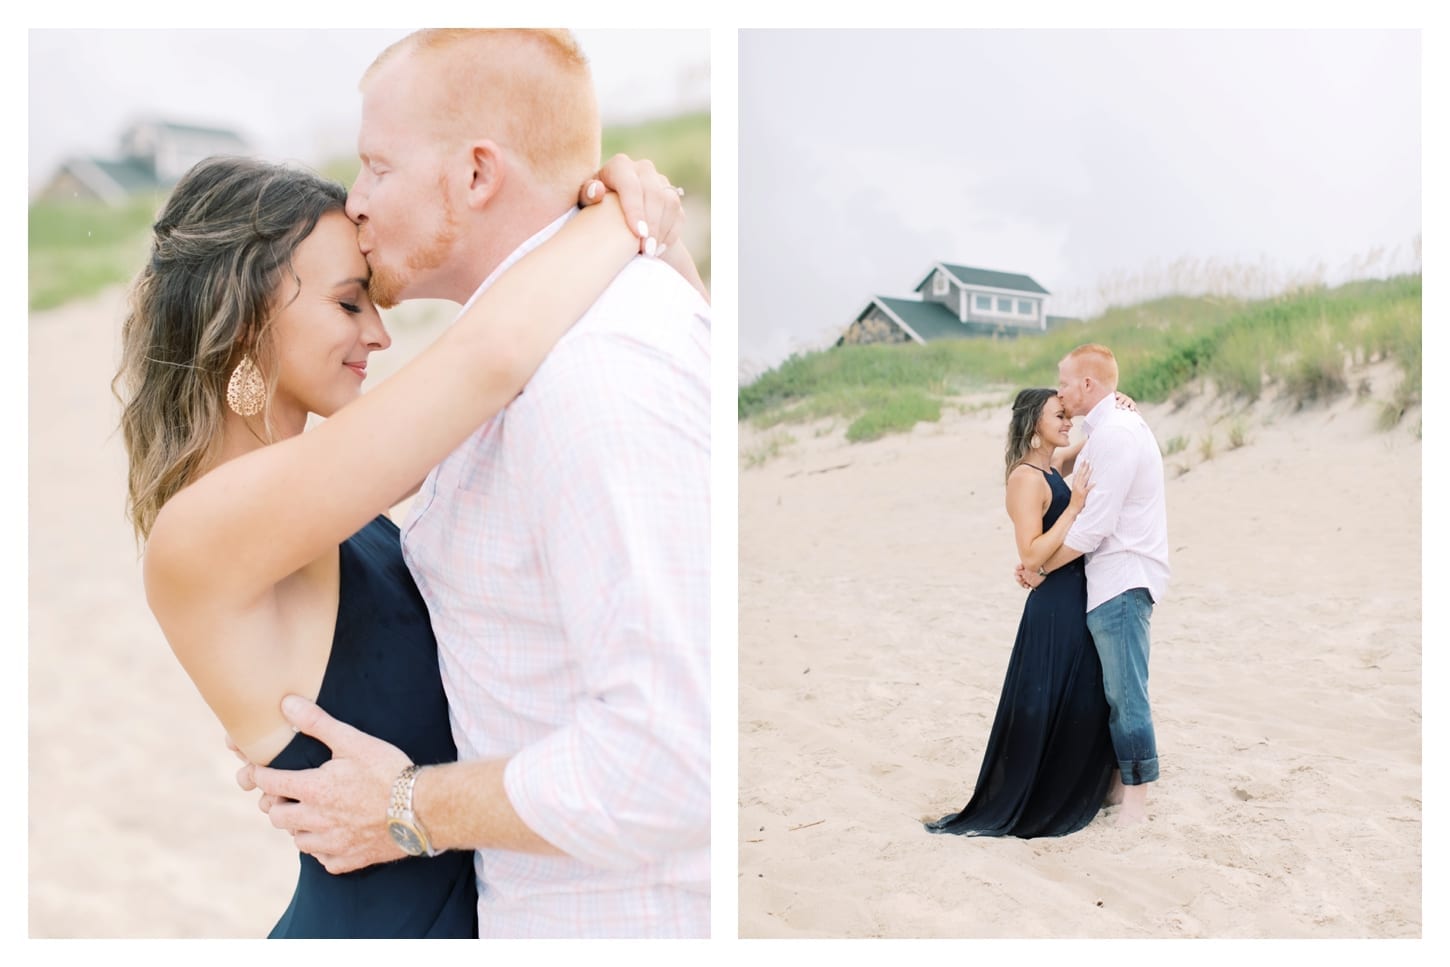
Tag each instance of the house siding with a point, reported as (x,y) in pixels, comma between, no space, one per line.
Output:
(992,317)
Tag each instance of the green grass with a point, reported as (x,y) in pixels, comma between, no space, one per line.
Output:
(1300,343)
(902,412)
(1315,372)
(678,146)
(79,248)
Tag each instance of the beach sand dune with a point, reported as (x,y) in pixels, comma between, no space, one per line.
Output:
(877,611)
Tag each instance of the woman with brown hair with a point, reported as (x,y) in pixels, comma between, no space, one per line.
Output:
(270,563)
(1049,757)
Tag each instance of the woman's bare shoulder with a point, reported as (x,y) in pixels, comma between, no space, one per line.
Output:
(1024,472)
(1026,483)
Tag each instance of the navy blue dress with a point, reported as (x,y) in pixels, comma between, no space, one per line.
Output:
(382,677)
(1050,757)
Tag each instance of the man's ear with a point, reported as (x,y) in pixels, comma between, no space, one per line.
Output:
(486,172)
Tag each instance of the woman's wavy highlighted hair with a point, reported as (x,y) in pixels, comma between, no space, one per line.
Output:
(1026,410)
(204,299)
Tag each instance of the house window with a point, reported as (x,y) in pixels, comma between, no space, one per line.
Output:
(1024,307)
(1004,305)
(939,284)
(984,302)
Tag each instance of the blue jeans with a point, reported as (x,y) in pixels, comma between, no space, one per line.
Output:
(1119,628)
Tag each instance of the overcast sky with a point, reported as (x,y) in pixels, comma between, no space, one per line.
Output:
(1087,159)
(293,93)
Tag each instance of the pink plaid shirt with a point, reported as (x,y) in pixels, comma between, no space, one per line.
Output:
(564,552)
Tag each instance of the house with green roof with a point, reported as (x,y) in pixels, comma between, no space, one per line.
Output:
(153,155)
(956,302)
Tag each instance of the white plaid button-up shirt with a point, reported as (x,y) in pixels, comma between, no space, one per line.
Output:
(564,553)
(1123,528)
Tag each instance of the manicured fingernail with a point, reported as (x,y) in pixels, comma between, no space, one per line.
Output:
(593,191)
(661,252)
(650,247)
(642,230)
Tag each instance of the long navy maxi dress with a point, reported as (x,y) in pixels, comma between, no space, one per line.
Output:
(1049,757)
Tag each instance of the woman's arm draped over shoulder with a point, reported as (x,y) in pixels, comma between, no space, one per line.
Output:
(258,518)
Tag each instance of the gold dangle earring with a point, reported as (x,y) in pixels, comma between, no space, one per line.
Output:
(246,391)
(1036,441)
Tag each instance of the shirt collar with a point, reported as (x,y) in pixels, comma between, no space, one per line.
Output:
(1099,413)
(531,243)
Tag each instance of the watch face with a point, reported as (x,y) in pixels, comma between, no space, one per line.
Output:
(406,837)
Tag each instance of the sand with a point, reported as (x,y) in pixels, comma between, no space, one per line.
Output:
(877,612)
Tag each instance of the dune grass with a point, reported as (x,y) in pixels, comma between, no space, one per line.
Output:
(1301,343)
(767,449)
(79,248)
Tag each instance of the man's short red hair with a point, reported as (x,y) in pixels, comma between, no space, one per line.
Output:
(1096,361)
(529,90)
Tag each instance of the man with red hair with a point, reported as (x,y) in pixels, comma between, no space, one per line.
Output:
(1123,531)
(563,550)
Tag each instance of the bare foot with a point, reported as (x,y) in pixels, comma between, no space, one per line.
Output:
(1115,790)
(1135,805)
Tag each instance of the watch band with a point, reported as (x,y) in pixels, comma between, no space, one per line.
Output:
(402,802)
(403,824)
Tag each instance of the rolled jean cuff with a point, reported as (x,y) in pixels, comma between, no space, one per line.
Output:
(1137,773)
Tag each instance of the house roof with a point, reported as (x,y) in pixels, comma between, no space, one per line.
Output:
(191,129)
(111,181)
(133,175)
(966,275)
(932,320)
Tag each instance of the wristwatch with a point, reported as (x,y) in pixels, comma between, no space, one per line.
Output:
(1041,571)
(403,823)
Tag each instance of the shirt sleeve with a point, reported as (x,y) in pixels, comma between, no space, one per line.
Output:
(1112,475)
(625,518)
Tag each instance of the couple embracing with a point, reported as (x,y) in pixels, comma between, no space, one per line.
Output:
(1073,729)
(494,721)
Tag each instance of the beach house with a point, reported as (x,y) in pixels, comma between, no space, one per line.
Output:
(152,156)
(955,302)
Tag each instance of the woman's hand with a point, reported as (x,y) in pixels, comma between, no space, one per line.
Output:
(1081,485)
(652,206)
(1125,402)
